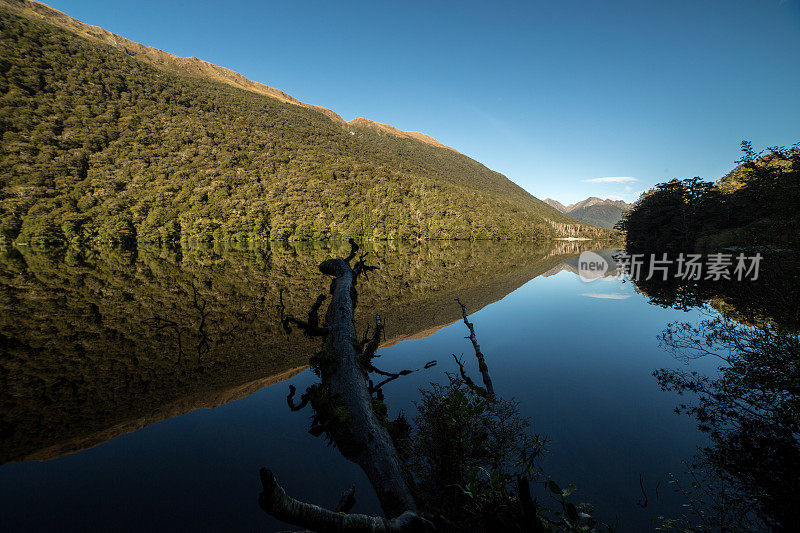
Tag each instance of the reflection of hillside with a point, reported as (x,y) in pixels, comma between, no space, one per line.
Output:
(207,400)
(561,247)
(563,267)
(83,360)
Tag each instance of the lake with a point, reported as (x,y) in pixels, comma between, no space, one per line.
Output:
(121,412)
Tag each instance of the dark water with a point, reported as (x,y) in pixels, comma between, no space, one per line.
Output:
(118,414)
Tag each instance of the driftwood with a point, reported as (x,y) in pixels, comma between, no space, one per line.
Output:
(343,365)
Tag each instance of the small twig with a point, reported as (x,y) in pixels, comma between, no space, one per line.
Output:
(641,504)
(200,304)
(374,342)
(364,339)
(394,375)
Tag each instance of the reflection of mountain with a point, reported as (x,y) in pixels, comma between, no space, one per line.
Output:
(571,264)
(99,344)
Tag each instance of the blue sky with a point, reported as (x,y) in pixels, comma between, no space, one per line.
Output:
(550,93)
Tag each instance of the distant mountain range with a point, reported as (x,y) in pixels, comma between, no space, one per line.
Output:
(110,141)
(593,210)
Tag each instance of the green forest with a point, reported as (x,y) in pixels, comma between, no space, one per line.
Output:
(100,147)
(754,205)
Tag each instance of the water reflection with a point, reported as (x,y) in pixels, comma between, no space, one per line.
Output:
(99,343)
(83,361)
(748,476)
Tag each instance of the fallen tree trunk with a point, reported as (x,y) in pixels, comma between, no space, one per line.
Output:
(345,409)
(368,442)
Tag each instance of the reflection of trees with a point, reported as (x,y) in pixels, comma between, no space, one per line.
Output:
(93,336)
(772,298)
(751,413)
(748,476)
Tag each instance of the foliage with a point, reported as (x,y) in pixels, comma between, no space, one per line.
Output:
(469,452)
(751,412)
(770,299)
(745,478)
(756,204)
(468,447)
(713,504)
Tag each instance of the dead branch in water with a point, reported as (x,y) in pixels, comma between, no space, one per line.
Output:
(391,376)
(487,380)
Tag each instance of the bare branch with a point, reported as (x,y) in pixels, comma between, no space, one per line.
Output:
(391,376)
(290,399)
(468,380)
(353,250)
(487,380)
(361,267)
(310,328)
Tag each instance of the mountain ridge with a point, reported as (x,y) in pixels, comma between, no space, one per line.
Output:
(593,210)
(192,65)
(592,200)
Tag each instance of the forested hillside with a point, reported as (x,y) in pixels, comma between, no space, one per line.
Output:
(100,146)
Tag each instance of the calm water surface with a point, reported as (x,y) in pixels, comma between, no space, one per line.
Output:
(108,425)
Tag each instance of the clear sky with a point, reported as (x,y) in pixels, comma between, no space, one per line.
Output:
(552,93)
